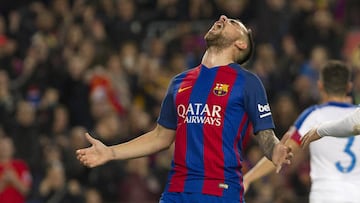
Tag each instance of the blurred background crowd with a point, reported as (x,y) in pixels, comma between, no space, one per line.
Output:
(102,66)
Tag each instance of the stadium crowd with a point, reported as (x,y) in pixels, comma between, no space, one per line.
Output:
(102,66)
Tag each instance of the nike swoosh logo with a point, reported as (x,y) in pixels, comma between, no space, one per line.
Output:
(184,88)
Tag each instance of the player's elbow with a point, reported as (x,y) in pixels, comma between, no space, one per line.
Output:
(165,144)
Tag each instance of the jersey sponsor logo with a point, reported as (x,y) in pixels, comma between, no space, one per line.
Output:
(223,186)
(221,89)
(264,110)
(184,88)
(200,113)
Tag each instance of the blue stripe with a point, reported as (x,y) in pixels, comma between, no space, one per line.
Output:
(171,173)
(338,104)
(234,113)
(195,142)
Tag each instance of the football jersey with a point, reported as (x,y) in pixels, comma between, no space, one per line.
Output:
(334,162)
(211,110)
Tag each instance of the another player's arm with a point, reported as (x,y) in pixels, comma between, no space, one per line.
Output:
(346,127)
(156,140)
(265,166)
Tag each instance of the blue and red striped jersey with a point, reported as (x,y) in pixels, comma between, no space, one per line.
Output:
(211,110)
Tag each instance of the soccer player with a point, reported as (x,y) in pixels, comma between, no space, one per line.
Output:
(346,127)
(335,169)
(206,111)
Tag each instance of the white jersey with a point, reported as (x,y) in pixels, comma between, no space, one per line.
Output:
(334,162)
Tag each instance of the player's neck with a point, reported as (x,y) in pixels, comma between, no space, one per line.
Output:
(333,98)
(214,57)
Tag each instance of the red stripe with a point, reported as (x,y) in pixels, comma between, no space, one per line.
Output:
(213,140)
(237,152)
(177,181)
(249,132)
(296,137)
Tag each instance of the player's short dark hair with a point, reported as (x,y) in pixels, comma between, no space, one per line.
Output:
(250,51)
(335,76)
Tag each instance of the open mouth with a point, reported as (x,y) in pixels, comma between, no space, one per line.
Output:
(217,25)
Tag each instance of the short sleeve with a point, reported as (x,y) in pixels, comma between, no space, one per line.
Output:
(168,117)
(256,104)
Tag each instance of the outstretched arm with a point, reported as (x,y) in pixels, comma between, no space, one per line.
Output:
(156,140)
(261,169)
(346,127)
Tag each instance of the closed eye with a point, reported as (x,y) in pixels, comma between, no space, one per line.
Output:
(234,22)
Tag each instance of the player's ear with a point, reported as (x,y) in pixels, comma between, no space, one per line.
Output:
(241,44)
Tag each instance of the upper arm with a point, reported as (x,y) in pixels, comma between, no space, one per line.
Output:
(165,135)
(292,139)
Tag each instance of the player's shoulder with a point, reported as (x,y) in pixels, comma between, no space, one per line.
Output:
(320,109)
(312,109)
(242,71)
(183,74)
(306,113)
(249,76)
(246,75)
(343,106)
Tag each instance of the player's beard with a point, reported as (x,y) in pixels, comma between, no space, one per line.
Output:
(217,40)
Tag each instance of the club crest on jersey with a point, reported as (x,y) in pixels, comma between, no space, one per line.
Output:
(221,89)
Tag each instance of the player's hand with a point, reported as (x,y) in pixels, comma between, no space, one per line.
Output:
(281,155)
(246,184)
(95,155)
(310,136)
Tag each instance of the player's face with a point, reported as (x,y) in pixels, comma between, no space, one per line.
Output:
(224,32)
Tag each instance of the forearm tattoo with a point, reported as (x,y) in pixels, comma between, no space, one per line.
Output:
(267,141)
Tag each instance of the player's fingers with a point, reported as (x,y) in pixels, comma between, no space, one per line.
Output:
(80,152)
(289,156)
(308,137)
(288,150)
(246,186)
(278,168)
(287,162)
(88,163)
(304,142)
(78,156)
(81,157)
(90,139)
(85,163)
